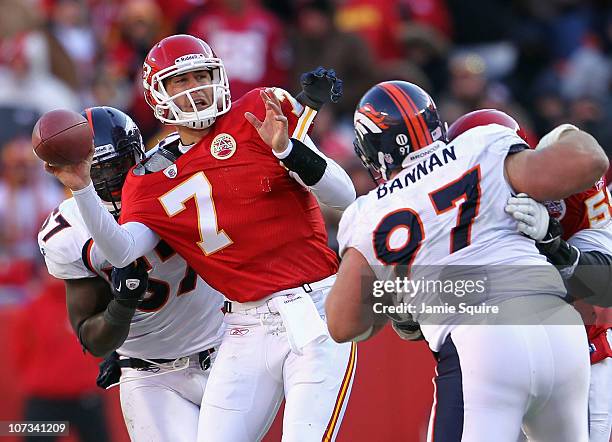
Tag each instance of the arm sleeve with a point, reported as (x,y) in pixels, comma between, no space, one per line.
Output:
(592,279)
(321,175)
(120,244)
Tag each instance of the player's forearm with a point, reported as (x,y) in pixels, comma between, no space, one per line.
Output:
(348,306)
(101,335)
(121,245)
(335,189)
(323,176)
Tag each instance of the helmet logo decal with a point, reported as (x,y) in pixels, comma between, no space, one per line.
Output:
(223,146)
(436,134)
(171,171)
(146,70)
(401,139)
(189,57)
(377,117)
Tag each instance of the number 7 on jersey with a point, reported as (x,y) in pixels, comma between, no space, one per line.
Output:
(198,187)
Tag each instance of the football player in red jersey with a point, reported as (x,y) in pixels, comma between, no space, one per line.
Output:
(232,192)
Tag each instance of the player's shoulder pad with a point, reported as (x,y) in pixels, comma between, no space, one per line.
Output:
(283,95)
(169,140)
(63,245)
(492,138)
(288,101)
(158,157)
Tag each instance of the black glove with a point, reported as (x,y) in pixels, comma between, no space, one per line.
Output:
(550,243)
(109,372)
(319,87)
(130,283)
(560,253)
(405,327)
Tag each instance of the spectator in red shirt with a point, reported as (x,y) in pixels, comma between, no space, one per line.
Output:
(249,40)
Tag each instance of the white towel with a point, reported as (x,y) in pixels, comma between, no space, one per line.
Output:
(301,320)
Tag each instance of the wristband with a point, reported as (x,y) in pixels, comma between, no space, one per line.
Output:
(118,314)
(305,162)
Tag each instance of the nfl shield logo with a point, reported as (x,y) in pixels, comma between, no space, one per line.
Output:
(171,171)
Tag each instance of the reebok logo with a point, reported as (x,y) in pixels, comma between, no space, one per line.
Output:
(291,298)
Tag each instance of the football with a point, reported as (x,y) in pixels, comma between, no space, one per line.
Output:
(61,137)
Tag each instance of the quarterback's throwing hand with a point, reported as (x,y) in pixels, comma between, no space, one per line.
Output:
(73,176)
(319,87)
(274,129)
(532,216)
(130,283)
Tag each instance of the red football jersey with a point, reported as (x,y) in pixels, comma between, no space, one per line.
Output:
(590,209)
(232,211)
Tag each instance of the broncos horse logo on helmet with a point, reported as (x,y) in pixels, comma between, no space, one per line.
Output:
(117,147)
(393,120)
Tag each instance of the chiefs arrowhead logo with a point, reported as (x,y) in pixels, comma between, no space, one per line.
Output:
(171,171)
(556,209)
(223,146)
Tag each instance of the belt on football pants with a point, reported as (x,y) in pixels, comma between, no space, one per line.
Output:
(204,359)
(263,306)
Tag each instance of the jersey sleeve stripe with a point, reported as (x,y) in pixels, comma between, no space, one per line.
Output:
(342,395)
(86,255)
(303,124)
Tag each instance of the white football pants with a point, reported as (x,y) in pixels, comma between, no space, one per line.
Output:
(255,368)
(166,407)
(600,399)
(491,380)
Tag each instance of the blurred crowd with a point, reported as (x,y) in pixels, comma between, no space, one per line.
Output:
(542,62)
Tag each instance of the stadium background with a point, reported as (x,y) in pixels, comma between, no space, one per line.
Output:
(544,62)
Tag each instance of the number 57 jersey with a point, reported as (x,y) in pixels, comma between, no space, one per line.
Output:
(180,315)
(446,208)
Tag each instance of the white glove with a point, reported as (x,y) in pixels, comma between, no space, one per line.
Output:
(532,216)
(554,135)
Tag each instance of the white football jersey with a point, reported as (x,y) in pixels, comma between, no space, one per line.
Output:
(446,208)
(180,315)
